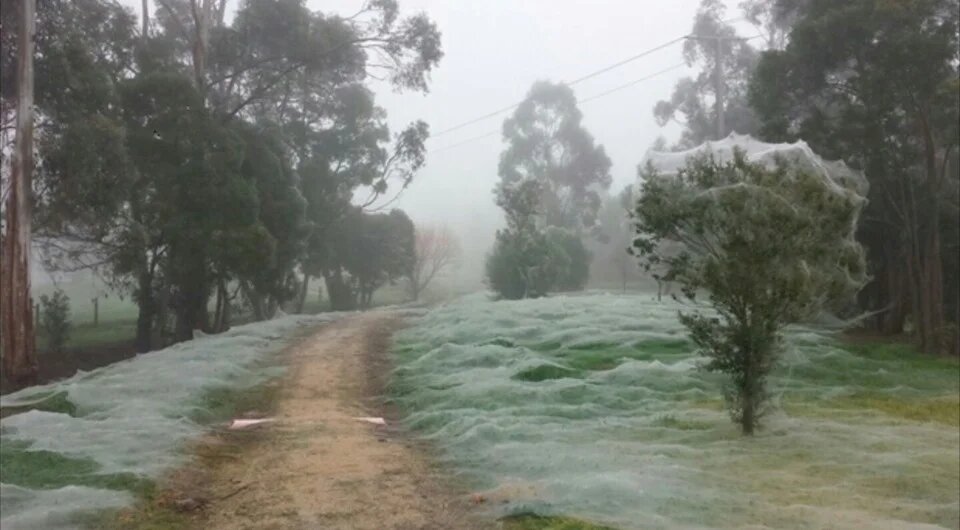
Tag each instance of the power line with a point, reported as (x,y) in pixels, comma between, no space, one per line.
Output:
(568,83)
(586,100)
(631,83)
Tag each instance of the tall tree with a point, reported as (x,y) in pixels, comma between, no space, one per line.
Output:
(714,102)
(16,304)
(876,84)
(547,143)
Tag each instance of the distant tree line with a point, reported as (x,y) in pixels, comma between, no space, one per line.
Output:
(200,164)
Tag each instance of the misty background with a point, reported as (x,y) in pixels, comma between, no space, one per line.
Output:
(493,52)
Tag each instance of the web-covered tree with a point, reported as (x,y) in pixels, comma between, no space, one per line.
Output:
(771,244)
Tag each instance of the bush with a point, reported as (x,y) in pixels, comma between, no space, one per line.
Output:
(517,267)
(571,258)
(530,263)
(55,319)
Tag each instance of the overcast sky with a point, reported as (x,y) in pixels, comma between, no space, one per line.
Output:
(493,51)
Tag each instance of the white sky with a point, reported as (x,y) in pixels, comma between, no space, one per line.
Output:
(493,51)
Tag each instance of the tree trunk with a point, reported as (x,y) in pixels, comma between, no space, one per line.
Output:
(340,294)
(16,305)
(749,394)
(896,298)
(146,305)
(218,307)
(145,31)
(304,288)
(201,20)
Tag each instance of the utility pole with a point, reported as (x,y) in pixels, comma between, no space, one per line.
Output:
(16,305)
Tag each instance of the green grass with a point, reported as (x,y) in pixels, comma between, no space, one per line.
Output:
(223,403)
(545,372)
(531,521)
(672,422)
(900,352)
(57,402)
(941,409)
(49,470)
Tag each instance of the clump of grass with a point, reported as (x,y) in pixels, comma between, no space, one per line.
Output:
(57,402)
(661,346)
(595,360)
(545,372)
(672,422)
(49,470)
(899,352)
(597,345)
(532,521)
(944,409)
(150,517)
(500,341)
(223,403)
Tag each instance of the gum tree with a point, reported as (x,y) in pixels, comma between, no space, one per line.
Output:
(770,244)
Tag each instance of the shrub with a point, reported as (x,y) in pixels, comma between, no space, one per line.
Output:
(55,319)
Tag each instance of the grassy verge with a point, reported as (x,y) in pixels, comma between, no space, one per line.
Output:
(174,500)
(531,521)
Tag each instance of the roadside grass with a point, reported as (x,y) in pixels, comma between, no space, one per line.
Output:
(532,521)
(173,502)
(21,466)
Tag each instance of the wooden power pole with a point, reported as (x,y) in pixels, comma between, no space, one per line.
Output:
(16,304)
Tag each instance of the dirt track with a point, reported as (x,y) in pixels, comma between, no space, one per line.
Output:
(318,466)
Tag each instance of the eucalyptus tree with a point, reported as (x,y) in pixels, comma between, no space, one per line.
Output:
(713,103)
(551,175)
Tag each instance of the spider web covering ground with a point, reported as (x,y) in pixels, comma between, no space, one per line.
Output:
(592,406)
(92,441)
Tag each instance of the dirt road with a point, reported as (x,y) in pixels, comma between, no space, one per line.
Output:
(318,466)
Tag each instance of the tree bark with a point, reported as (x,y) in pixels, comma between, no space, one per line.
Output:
(145,31)
(16,304)
(304,288)
(146,313)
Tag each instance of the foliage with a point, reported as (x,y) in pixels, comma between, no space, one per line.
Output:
(532,521)
(614,234)
(876,83)
(547,143)
(770,247)
(695,97)
(518,266)
(572,257)
(551,175)
(208,158)
(366,252)
(55,319)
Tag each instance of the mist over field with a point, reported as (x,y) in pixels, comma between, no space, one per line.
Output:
(538,265)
